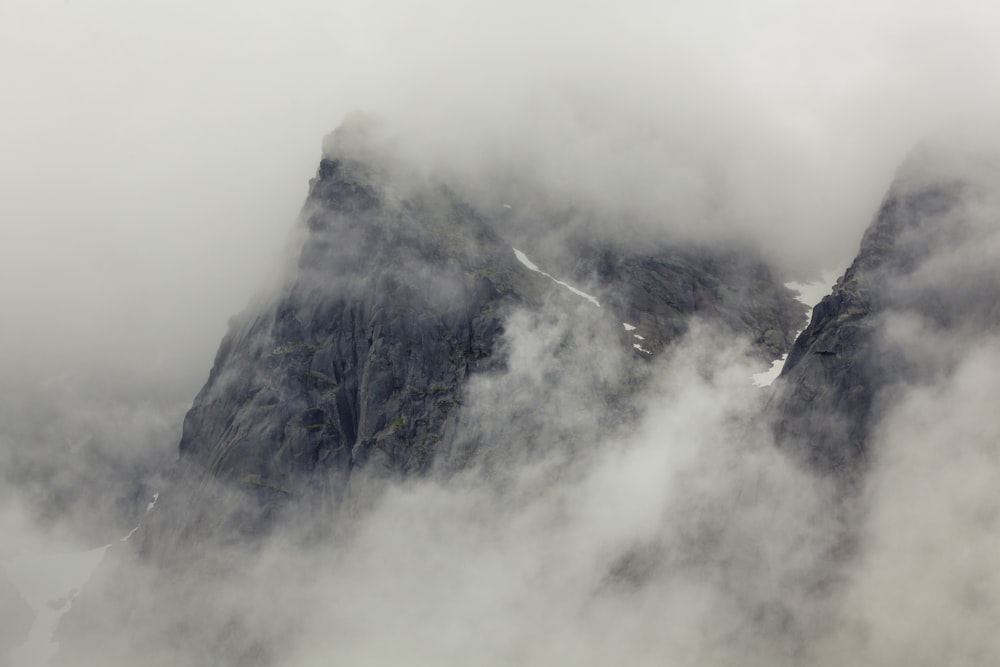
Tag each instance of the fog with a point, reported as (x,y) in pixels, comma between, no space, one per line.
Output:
(690,538)
(153,160)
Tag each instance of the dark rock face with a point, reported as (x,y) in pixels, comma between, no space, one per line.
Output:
(918,275)
(386,355)
(355,371)
(661,291)
(360,363)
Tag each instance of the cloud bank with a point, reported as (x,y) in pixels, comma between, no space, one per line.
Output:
(154,159)
(689,538)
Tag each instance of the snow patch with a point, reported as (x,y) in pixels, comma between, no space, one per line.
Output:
(765,378)
(152,503)
(521,257)
(637,336)
(641,348)
(810,293)
(628,327)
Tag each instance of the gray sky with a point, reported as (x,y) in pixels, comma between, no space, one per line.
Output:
(155,155)
(153,158)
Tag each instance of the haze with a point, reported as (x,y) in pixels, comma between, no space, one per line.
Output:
(153,159)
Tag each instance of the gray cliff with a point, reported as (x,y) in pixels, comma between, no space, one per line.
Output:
(922,282)
(385,356)
(355,371)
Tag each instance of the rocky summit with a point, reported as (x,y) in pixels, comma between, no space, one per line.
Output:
(420,336)
(914,295)
(356,370)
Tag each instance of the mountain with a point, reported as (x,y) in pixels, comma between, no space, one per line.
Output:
(356,370)
(393,351)
(434,397)
(918,289)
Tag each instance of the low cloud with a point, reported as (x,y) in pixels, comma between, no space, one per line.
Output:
(155,163)
(923,589)
(686,535)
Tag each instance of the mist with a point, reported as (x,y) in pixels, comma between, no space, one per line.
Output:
(687,537)
(154,160)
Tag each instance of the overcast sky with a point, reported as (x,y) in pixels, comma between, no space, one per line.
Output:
(154,155)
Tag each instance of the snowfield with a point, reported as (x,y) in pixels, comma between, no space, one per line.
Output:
(810,294)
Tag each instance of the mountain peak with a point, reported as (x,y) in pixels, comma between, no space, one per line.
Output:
(924,277)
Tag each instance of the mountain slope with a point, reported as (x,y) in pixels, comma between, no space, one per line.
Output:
(399,296)
(924,279)
(409,340)
(433,439)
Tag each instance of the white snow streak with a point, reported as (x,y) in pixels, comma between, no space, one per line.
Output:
(521,257)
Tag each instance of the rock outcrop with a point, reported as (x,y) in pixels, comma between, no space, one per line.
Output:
(355,370)
(410,340)
(925,277)
(386,355)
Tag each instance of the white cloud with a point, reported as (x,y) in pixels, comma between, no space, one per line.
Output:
(153,158)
